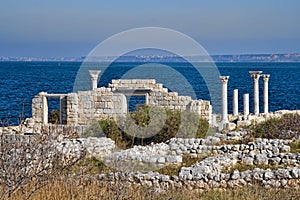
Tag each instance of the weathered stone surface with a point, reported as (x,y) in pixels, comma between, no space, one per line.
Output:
(205,174)
(235,175)
(84,106)
(260,159)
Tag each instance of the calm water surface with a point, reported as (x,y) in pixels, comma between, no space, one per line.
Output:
(20,81)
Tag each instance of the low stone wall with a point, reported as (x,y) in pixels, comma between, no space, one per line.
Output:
(211,172)
(155,156)
(98,147)
(49,145)
(29,129)
(285,177)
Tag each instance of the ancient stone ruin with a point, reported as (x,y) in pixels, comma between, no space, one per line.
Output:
(246,118)
(79,109)
(82,107)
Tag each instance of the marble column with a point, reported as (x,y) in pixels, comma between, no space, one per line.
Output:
(246,105)
(266,78)
(45,107)
(235,102)
(224,80)
(147,99)
(61,109)
(94,74)
(255,76)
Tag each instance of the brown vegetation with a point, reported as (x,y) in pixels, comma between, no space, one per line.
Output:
(29,171)
(91,188)
(286,127)
(30,162)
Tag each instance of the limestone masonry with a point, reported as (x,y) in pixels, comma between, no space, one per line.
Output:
(110,102)
(83,107)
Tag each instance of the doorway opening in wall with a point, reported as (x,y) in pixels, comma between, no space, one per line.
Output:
(135,102)
(54,111)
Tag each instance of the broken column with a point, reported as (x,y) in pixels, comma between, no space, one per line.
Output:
(255,76)
(266,92)
(246,105)
(94,74)
(235,102)
(224,80)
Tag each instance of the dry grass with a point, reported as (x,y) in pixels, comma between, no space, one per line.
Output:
(85,185)
(295,146)
(286,127)
(89,166)
(243,167)
(90,188)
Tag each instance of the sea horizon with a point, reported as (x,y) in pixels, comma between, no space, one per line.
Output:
(247,57)
(18,86)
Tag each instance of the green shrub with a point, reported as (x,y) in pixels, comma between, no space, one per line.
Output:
(54,117)
(154,124)
(93,130)
(111,129)
(286,127)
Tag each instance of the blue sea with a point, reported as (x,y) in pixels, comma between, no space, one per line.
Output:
(20,81)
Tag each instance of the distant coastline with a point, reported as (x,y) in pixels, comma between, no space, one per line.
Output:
(294,57)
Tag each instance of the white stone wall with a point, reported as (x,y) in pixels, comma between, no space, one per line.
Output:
(83,107)
(37,109)
(133,83)
(159,96)
(201,107)
(99,104)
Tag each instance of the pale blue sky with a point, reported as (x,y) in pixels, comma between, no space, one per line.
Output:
(74,28)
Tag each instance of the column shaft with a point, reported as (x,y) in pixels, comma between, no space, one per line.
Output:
(255,76)
(45,110)
(235,102)
(266,93)
(246,105)
(256,97)
(224,80)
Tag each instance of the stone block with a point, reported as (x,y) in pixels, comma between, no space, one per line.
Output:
(244,123)
(115,81)
(230,126)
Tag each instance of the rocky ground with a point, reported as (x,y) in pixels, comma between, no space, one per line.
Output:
(230,161)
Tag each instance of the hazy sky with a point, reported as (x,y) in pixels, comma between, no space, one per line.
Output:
(74,28)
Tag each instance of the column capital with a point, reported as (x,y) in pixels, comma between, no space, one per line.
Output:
(266,77)
(255,74)
(224,79)
(94,74)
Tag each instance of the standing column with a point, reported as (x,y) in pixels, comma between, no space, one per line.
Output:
(266,92)
(235,102)
(94,74)
(255,76)
(224,80)
(246,105)
(44,107)
(61,107)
